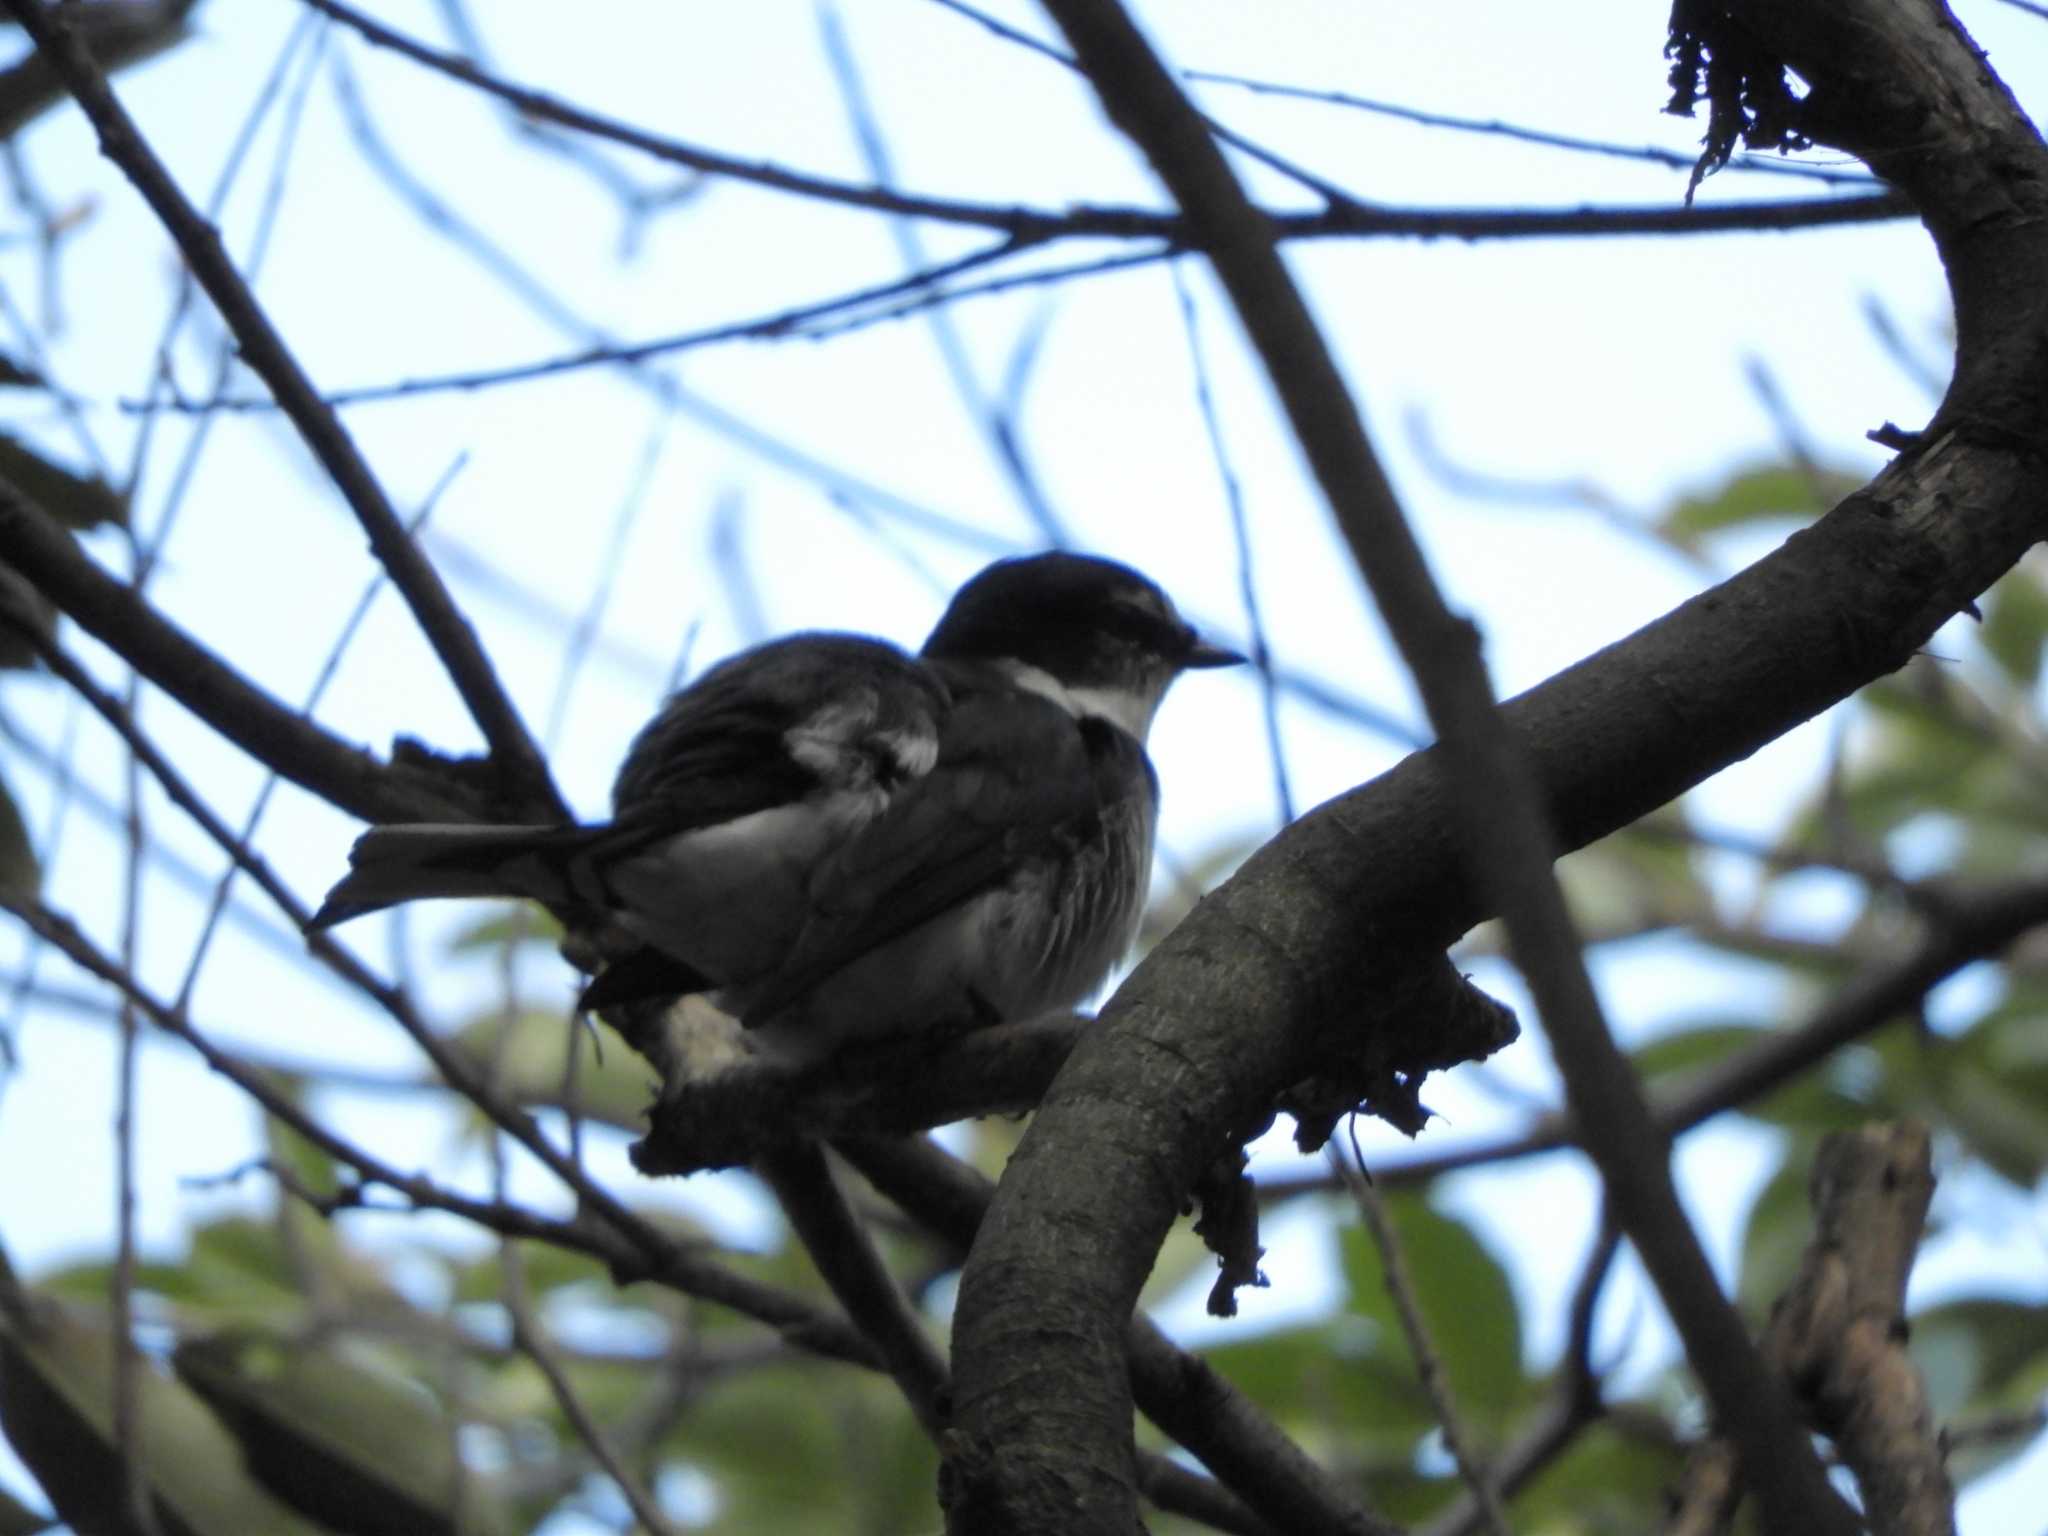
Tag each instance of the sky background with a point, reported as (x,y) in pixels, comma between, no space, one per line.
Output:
(1626,366)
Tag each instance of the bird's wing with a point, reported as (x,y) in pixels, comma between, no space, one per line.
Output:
(1017,780)
(742,782)
(779,723)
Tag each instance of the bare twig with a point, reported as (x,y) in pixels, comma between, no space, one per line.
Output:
(1495,128)
(848,1261)
(632,1249)
(128,1365)
(799,321)
(1344,216)
(663,387)
(529,1339)
(1576,1402)
(1429,1365)
(999,429)
(1261,650)
(524,778)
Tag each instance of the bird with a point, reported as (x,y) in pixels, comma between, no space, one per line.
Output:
(834,841)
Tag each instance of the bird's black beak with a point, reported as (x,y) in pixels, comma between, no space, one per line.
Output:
(1204,653)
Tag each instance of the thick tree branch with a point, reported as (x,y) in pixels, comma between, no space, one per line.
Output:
(1838,1335)
(1429,1019)
(1177,1069)
(1964,927)
(850,1264)
(1225,1430)
(523,774)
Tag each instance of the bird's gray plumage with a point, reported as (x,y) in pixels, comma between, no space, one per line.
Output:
(837,840)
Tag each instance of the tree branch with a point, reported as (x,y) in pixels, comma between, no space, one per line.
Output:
(523,776)
(1838,1336)
(1229,1433)
(632,1249)
(1188,1055)
(1341,217)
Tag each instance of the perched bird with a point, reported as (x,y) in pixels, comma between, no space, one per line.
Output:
(838,841)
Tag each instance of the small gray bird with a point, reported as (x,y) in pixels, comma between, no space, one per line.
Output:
(836,841)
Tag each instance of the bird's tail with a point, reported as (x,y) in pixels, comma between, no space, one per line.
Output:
(390,865)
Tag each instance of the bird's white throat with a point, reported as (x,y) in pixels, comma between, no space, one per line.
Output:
(1129,708)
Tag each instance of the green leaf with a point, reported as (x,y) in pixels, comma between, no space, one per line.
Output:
(842,1454)
(1609,1482)
(1337,1387)
(1982,1358)
(21,873)
(1991,1087)
(77,501)
(527,1056)
(1466,1303)
(343,1440)
(506,925)
(56,1397)
(1776,1236)
(1634,880)
(2016,625)
(1757,493)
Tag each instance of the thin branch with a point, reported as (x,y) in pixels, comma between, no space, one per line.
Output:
(1495,128)
(67,789)
(128,1363)
(1343,217)
(1261,649)
(524,777)
(1576,1402)
(997,427)
(846,1258)
(663,387)
(634,1250)
(528,1338)
(224,361)
(658,1256)
(246,838)
(784,323)
(1429,1365)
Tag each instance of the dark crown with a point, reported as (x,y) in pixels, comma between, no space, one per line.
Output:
(1080,618)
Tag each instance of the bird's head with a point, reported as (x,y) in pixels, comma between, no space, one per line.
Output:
(1091,634)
